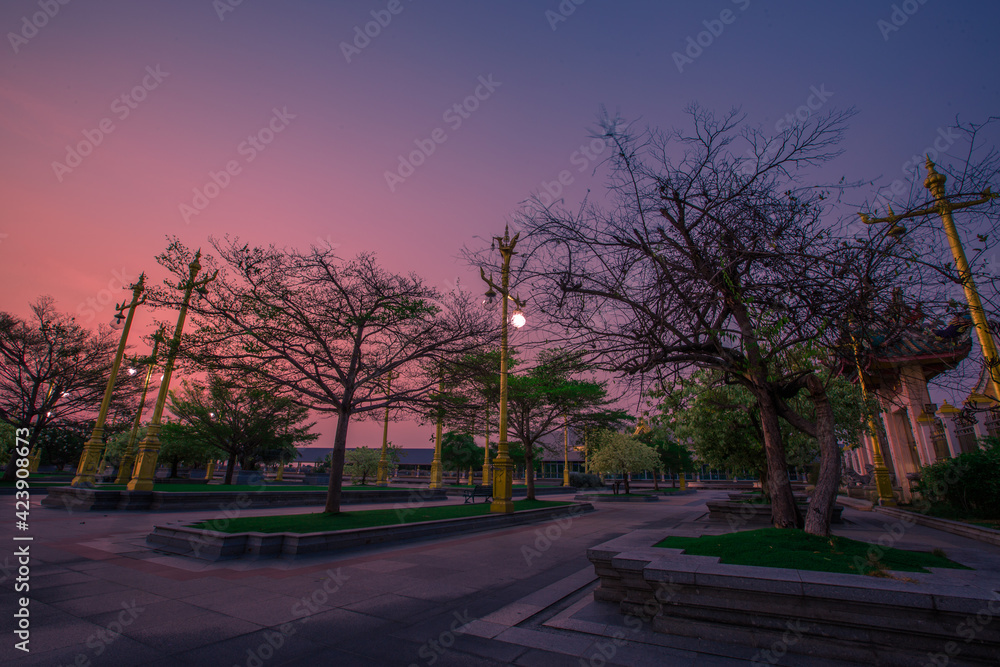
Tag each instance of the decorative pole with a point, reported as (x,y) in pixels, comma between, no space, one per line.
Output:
(383,462)
(883,484)
(436,463)
(128,457)
(943,207)
(486,456)
(144,473)
(92,451)
(565,450)
(503,465)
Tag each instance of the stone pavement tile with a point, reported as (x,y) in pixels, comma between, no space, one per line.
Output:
(121,651)
(53,594)
(50,629)
(441,590)
(173,627)
(393,607)
(548,641)
(269,646)
(383,565)
(485,648)
(328,655)
(541,658)
(260,607)
(386,649)
(106,602)
(485,629)
(339,625)
(40,580)
(512,614)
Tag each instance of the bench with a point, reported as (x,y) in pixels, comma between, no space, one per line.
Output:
(478,490)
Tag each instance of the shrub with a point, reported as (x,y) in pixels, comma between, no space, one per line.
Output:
(969,482)
(585,481)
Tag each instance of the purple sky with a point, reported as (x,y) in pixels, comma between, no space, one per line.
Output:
(161,95)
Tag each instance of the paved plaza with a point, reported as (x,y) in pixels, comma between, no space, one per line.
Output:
(520,596)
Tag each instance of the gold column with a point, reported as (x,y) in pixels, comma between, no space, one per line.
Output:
(92,451)
(565,450)
(144,472)
(486,456)
(128,456)
(383,463)
(436,463)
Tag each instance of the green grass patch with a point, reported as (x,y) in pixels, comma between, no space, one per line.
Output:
(321,522)
(797,550)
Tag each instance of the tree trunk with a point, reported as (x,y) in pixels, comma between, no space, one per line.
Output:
(825,496)
(529,470)
(784,513)
(229,468)
(337,465)
(173,468)
(656,480)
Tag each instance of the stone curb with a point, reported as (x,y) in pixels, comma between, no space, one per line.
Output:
(215,546)
(977,533)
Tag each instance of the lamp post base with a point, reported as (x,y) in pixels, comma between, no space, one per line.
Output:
(86,473)
(503,474)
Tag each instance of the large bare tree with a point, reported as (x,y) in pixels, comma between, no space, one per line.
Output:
(709,251)
(327,330)
(51,367)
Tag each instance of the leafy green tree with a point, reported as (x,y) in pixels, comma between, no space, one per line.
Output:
(675,458)
(459,452)
(242,421)
(620,454)
(61,442)
(542,399)
(182,443)
(362,462)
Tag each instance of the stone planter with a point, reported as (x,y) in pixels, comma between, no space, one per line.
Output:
(841,617)
(742,511)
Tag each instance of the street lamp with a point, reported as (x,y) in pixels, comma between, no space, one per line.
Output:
(436,462)
(125,465)
(943,206)
(87,468)
(383,463)
(144,471)
(503,465)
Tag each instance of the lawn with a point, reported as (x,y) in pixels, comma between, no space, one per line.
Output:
(322,522)
(795,549)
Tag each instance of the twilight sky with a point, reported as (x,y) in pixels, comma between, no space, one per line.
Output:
(122,122)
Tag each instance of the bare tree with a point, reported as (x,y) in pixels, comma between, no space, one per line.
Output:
(327,330)
(51,367)
(711,254)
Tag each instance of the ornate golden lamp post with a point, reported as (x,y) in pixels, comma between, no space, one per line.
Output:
(503,465)
(565,450)
(383,462)
(436,462)
(883,485)
(943,206)
(144,472)
(486,447)
(128,456)
(92,451)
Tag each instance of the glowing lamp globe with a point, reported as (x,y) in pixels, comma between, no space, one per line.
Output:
(517,319)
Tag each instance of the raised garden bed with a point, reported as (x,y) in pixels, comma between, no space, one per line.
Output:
(751,511)
(841,617)
(215,545)
(99,500)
